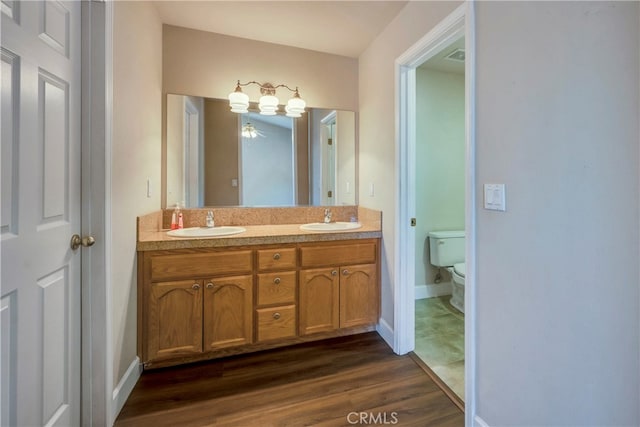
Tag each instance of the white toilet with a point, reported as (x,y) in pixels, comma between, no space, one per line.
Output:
(447,251)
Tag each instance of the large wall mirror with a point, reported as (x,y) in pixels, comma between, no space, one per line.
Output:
(214,157)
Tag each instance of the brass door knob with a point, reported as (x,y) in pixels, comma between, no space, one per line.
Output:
(276,280)
(77,241)
(345,272)
(276,315)
(195,286)
(209,285)
(334,273)
(276,256)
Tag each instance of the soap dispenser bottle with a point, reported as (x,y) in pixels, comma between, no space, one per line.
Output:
(176,217)
(180,220)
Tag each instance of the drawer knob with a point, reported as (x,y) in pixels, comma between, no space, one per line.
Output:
(334,273)
(276,315)
(276,256)
(209,285)
(195,286)
(276,280)
(345,272)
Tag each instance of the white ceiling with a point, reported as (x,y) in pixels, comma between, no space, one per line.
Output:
(339,27)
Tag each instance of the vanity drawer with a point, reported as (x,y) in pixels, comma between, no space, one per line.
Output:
(334,255)
(200,264)
(276,288)
(276,322)
(276,259)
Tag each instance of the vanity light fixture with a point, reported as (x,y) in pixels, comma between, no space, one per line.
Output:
(239,101)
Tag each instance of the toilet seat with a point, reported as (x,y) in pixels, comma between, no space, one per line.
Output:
(460,269)
(457,283)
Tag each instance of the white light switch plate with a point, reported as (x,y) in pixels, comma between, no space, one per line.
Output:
(494,197)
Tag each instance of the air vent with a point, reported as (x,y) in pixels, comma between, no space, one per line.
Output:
(456,55)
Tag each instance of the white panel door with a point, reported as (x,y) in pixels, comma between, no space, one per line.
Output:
(40,210)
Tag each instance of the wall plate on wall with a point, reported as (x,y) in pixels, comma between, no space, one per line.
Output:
(494,197)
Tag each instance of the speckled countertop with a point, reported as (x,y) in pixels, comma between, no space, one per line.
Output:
(152,235)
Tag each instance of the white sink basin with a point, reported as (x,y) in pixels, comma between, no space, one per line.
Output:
(331,226)
(206,231)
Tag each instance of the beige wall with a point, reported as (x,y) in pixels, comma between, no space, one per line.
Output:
(207,64)
(377,122)
(558,274)
(137,90)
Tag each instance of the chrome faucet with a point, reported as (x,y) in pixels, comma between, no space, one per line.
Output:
(210,222)
(327,216)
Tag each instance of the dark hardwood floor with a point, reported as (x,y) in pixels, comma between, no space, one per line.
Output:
(355,380)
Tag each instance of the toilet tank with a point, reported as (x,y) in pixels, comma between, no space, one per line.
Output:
(446,248)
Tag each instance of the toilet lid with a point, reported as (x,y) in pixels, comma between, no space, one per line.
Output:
(460,269)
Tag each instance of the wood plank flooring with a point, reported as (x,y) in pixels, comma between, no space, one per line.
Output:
(326,383)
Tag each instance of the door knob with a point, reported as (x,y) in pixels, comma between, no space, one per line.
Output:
(77,241)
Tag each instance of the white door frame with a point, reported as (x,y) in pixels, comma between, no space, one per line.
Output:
(325,176)
(460,22)
(97,355)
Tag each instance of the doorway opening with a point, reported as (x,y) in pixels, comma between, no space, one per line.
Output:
(414,201)
(440,210)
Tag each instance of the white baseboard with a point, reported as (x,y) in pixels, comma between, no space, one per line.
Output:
(433,290)
(125,387)
(385,331)
(479,422)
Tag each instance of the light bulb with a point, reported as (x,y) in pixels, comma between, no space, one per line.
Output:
(239,101)
(268,105)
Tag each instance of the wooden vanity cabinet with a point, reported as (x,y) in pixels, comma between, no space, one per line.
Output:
(193,301)
(203,303)
(343,294)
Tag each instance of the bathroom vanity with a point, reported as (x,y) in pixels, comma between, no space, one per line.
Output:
(271,286)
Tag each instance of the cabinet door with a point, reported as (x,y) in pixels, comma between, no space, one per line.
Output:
(358,295)
(174,319)
(319,300)
(228,307)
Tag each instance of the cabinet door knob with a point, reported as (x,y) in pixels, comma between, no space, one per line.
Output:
(276,280)
(195,286)
(276,256)
(345,272)
(209,285)
(334,273)
(276,315)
